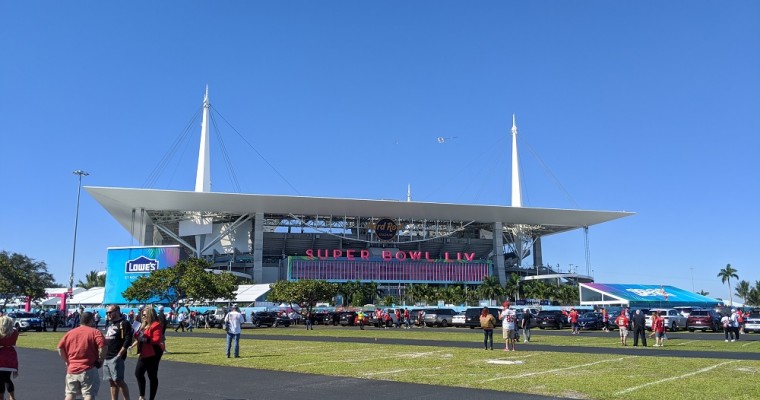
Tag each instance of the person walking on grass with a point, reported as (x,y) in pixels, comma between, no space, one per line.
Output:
(8,357)
(639,324)
(658,328)
(83,351)
(232,322)
(118,337)
(525,324)
(509,333)
(622,322)
(487,322)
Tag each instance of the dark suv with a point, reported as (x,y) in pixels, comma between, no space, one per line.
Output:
(703,319)
(263,318)
(551,319)
(472,316)
(439,317)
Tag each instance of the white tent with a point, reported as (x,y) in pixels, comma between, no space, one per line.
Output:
(92,296)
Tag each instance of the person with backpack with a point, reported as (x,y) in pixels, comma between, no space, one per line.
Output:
(118,336)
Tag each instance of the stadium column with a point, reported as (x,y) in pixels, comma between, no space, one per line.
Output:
(258,247)
(498,252)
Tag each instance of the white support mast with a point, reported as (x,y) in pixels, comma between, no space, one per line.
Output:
(203,174)
(516,189)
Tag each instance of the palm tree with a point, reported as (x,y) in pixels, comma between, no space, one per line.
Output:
(490,288)
(725,275)
(742,290)
(753,297)
(512,287)
(93,279)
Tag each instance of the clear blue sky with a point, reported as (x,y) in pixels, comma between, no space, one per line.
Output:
(651,107)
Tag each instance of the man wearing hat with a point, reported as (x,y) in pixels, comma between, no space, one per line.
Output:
(508,327)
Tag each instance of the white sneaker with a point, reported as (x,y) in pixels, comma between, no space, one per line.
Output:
(726,340)
(733,340)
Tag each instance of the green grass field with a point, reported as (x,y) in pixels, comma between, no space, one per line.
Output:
(575,375)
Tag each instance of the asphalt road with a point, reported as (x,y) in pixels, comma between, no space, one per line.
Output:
(42,376)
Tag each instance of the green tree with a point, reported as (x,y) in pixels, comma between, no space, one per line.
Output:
(93,279)
(491,289)
(188,279)
(753,297)
(420,293)
(21,276)
(388,300)
(512,287)
(304,293)
(453,294)
(742,289)
(725,276)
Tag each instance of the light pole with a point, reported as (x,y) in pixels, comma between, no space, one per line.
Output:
(80,173)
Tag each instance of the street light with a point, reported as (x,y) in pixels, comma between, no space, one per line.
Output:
(80,173)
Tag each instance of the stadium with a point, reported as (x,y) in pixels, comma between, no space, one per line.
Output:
(265,238)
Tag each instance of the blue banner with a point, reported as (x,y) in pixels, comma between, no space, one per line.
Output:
(126,264)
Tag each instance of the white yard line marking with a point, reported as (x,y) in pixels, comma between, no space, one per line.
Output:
(550,371)
(672,378)
(681,344)
(398,371)
(748,344)
(370,357)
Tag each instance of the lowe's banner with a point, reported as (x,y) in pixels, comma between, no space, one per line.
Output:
(126,264)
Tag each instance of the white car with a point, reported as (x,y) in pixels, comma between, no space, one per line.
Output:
(458,320)
(674,320)
(752,323)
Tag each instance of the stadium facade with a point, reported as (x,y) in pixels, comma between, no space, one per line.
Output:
(396,243)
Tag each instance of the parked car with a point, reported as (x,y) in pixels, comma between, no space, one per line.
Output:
(26,321)
(674,320)
(703,319)
(472,316)
(686,310)
(282,320)
(591,320)
(457,320)
(439,317)
(348,318)
(551,319)
(752,323)
(264,318)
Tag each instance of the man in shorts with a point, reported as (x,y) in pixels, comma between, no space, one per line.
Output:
(118,339)
(508,326)
(82,350)
(622,322)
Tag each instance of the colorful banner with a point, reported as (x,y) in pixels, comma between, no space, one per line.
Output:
(126,264)
(382,271)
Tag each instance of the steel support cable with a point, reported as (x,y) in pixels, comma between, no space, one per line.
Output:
(551,175)
(164,161)
(257,152)
(226,156)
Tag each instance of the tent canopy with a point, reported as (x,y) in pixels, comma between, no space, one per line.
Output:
(634,295)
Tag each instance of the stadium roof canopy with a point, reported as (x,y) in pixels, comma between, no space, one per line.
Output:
(651,296)
(168,207)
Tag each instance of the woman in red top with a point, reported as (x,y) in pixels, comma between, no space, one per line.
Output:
(8,357)
(658,326)
(150,348)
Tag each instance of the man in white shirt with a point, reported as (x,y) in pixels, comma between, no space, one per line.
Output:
(509,329)
(232,322)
